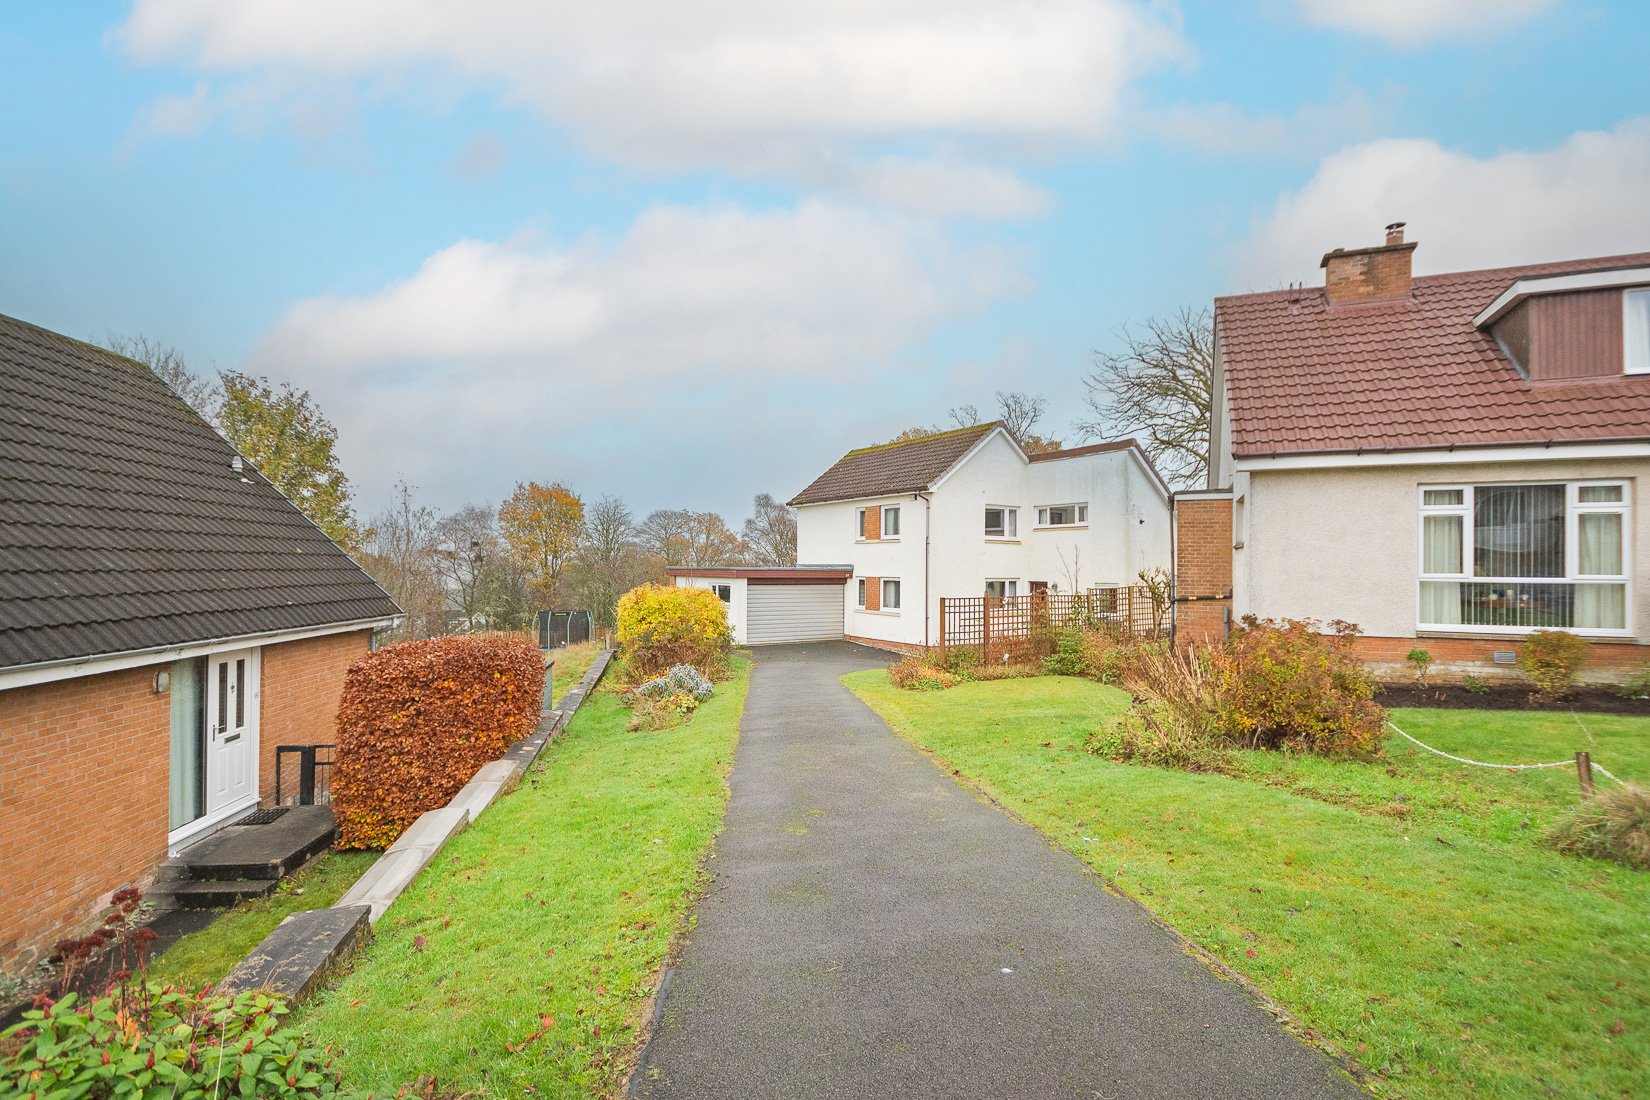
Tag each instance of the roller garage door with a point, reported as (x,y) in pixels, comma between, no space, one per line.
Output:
(793,613)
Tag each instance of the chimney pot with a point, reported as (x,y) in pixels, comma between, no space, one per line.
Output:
(1395,233)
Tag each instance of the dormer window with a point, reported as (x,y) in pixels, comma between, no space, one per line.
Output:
(1635,308)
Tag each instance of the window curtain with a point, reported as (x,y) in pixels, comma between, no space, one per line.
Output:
(1440,603)
(1601,606)
(1600,537)
(1441,553)
(185,786)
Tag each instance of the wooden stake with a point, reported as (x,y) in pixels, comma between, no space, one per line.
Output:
(1584,772)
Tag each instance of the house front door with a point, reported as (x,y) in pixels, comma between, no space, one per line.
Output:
(231,730)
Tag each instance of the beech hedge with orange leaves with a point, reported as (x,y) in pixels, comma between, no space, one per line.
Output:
(416,721)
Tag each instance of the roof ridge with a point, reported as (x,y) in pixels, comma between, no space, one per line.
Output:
(930,437)
(1585,263)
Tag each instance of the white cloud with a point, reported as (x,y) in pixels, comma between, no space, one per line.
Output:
(490,340)
(724,83)
(1414,22)
(1225,129)
(1584,197)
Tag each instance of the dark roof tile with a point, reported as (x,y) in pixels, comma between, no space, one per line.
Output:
(890,468)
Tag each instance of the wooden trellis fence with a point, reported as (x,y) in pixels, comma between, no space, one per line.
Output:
(1025,626)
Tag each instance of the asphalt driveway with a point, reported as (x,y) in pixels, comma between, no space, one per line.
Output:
(875,930)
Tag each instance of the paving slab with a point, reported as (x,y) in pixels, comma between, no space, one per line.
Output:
(267,851)
(874,929)
(303,950)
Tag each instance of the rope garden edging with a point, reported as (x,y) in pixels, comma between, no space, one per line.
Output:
(1597,767)
(295,959)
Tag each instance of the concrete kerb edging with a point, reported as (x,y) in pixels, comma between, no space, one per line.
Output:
(295,959)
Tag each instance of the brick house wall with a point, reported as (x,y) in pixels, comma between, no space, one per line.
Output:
(83,802)
(1202,569)
(301,684)
(1456,657)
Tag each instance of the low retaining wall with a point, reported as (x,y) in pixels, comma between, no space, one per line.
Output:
(296,958)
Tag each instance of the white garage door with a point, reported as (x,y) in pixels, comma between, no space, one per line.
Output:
(793,613)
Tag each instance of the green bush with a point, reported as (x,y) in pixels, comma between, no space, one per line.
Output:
(1475,685)
(1613,824)
(1070,656)
(1283,684)
(136,1043)
(1637,685)
(1551,660)
(1420,663)
(660,626)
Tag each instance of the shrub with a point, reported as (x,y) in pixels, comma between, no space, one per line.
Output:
(660,626)
(416,721)
(1613,824)
(1420,662)
(680,680)
(1174,722)
(661,711)
(1475,685)
(916,673)
(1283,684)
(1637,685)
(1550,660)
(134,1042)
(1070,656)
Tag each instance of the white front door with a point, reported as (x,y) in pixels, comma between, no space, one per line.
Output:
(231,730)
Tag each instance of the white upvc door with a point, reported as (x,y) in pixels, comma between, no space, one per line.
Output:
(231,731)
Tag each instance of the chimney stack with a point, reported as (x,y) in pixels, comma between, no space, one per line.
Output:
(1374,274)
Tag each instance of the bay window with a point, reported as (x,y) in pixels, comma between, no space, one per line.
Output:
(1498,558)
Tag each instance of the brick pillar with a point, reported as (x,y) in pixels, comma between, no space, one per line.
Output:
(1202,569)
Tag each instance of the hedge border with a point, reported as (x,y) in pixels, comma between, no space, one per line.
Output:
(293,960)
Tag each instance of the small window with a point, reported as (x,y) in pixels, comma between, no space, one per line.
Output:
(859,521)
(1635,308)
(1442,498)
(859,597)
(724,592)
(999,589)
(890,594)
(1062,515)
(1002,523)
(1600,494)
(890,523)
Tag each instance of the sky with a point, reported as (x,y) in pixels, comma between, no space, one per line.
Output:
(687,253)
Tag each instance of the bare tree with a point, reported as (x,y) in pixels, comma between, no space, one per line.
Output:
(1160,386)
(201,394)
(609,561)
(770,532)
(401,555)
(664,535)
(464,541)
(1020,413)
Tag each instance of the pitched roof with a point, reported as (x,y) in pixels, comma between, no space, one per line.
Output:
(123,527)
(1412,373)
(889,468)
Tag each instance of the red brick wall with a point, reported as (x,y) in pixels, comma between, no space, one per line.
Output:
(82,802)
(1202,569)
(301,684)
(892,647)
(1453,658)
(873,523)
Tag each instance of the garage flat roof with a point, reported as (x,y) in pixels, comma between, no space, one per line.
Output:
(793,573)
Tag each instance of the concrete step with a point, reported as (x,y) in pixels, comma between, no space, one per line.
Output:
(215,894)
(269,851)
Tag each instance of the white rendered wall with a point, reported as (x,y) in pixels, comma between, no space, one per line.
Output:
(828,534)
(735,607)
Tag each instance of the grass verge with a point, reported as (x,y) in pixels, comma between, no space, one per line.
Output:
(519,962)
(571,663)
(206,956)
(1405,909)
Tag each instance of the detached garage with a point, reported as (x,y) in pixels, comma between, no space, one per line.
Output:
(770,605)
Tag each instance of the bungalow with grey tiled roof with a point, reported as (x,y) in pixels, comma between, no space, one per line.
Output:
(167,618)
(1449,461)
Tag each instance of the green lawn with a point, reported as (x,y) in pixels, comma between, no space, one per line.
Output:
(1405,909)
(571,663)
(519,963)
(204,957)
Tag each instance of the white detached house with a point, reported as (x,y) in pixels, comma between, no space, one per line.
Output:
(968,513)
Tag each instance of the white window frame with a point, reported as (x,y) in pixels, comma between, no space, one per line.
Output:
(883,534)
(860,593)
(1011,587)
(1011,522)
(1635,332)
(859,523)
(1574,508)
(721,587)
(1080,509)
(891,608)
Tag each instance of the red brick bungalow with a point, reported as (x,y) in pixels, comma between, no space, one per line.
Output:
(1450,461)
(166,619)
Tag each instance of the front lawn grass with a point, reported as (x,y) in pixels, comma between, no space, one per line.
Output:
(518,964)
(570,663)
(206,956)
(1406,909)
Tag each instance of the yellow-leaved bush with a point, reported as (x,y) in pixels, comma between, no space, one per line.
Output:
(418,719)
(660,627)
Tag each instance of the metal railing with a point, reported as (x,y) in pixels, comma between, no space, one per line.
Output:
(311,786)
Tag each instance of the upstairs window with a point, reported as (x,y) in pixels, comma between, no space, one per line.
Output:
(1002,523)
(1062,515)
(1515,558)
(859,522)
(890,522)
(1635,308)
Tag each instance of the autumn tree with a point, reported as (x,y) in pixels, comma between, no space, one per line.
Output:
(281,431)
(770,532)
(1160,386)
(679,537)
(541,526)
